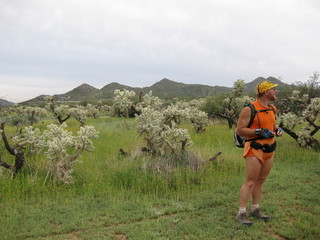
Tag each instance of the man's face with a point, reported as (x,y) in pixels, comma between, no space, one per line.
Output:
(272,94)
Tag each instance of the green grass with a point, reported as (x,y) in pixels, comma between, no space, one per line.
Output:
(114,198)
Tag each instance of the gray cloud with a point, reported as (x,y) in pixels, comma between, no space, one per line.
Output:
(138,43)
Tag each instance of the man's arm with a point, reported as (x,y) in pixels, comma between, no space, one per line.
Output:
(242,124)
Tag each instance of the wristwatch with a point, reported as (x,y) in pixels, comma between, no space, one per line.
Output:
(258,131)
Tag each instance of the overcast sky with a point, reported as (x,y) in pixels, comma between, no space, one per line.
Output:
(52,46)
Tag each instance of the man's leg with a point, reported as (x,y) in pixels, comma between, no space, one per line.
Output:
(257,191)
(264,172)
(253,168)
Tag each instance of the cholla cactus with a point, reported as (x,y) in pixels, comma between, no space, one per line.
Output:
(19,116)
(312,110)
(149,124)
(64,149)
(81,113)
(239,102)
(307,117)
(198,103)
(149,101)
(35,114)
(304,137)
(61,112)
(175,113)
(103,107)
(290,120)
(184,111)
(161,138)
(231,104)
(296,103)
(199,119)
(173,140)
(122,102)
(31,139)
(238,88)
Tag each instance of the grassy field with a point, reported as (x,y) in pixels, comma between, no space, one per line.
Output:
(114,197)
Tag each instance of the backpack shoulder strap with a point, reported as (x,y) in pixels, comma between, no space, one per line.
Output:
(273,109)
(253,113)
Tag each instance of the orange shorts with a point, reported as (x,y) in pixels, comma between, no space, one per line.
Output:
(251,152)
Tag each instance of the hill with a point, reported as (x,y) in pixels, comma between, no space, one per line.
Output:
(5,103)
(169,89)
(83,92)
(108,90)
(165,88)
(250,87)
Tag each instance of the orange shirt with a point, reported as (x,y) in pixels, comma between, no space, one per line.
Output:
(267,120)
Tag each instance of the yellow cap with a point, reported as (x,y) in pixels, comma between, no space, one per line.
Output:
(264,86)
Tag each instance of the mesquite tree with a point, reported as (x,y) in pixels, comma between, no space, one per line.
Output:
(311,86)
(301,124)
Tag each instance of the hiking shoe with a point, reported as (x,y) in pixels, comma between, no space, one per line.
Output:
(243,218)
(259,215)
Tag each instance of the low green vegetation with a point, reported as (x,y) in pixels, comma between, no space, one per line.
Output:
(119,196)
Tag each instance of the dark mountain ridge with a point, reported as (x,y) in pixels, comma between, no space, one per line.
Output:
(165,88)
(5,103)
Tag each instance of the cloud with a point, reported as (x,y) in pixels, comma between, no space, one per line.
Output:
(21,88)
(139,42)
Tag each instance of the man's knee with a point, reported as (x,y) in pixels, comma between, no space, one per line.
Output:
(250,183)
(261,180)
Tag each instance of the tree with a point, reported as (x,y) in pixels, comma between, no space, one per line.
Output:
(311,87)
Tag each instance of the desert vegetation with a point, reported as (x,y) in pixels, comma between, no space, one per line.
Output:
(152,168)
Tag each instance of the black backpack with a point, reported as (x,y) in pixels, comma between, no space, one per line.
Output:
(240,140)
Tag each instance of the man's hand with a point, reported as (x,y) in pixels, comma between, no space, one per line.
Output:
(266,133)
(279,132)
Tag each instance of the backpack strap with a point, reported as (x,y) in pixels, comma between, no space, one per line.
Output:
(253,113)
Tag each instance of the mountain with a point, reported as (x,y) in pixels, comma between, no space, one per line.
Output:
(108,90)
(5,103)
(169,89)
(250,87)
(163,89)
(83,92)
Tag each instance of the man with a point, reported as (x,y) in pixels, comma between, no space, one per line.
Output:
(258,150)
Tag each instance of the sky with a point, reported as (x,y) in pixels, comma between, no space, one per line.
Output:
(51,47)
